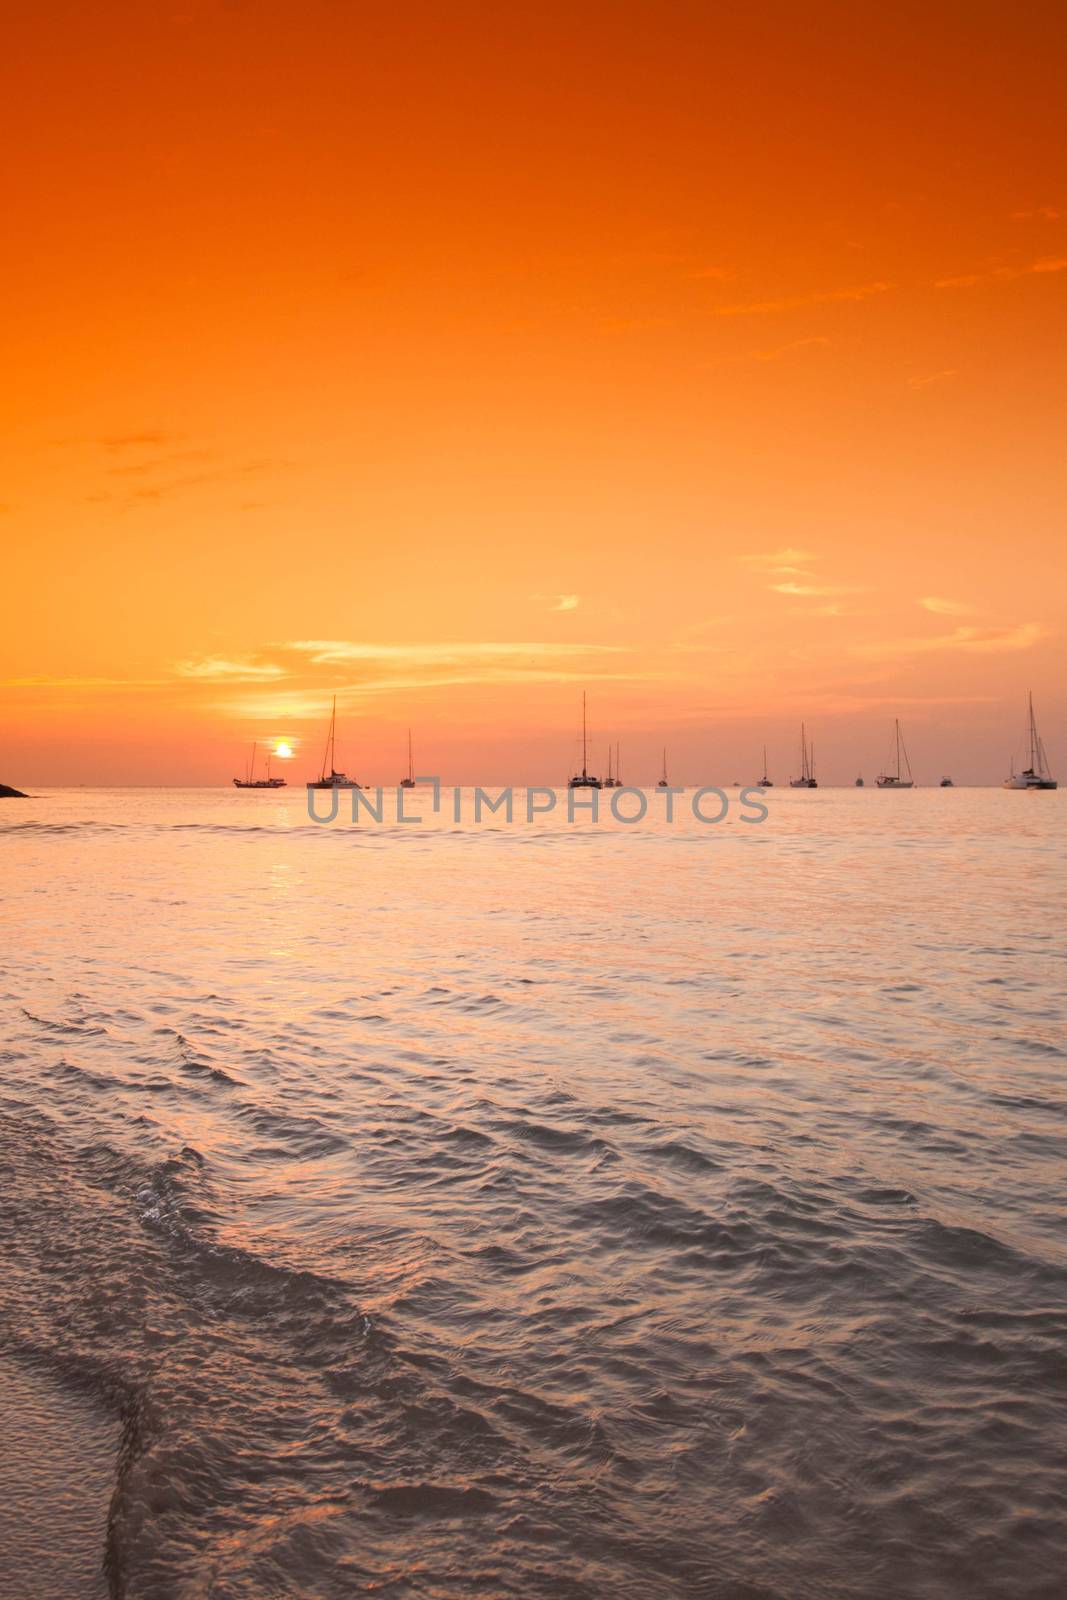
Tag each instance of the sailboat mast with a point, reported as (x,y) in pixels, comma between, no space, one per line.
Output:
(1033,734)
(328,752)
(583,735)
(411,761)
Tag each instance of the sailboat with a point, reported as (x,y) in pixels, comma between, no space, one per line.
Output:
(584,779)
(250,781)
(807,779)
(946,783)
(613,781)
(329,777)
(409,781)
(765,782)
(1036,775)
(859,782)
(896,778)
(663,782)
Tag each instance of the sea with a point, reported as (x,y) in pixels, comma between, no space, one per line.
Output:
(539,1209)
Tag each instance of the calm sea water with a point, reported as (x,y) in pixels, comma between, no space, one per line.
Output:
(540,1211)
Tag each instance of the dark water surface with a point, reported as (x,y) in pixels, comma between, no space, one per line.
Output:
(536,1211)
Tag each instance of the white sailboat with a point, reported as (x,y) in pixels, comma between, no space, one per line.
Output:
(896,779)
(329,777)
(584,779)
(1037,774)
(807,779)
(409,781)
(250,781)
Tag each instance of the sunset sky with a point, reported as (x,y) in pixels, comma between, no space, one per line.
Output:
(457,357)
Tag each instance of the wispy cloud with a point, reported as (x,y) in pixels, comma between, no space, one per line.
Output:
(863,291)
(815,342)
(946,608)
(146,438)
(217,669)
(932,378)
(814,590)
(968,640)
(1046,213)
(338,651)
(47,681)
(561,602)
(1047,264)
(782,562)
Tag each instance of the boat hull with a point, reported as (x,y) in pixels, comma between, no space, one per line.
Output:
(1025,781)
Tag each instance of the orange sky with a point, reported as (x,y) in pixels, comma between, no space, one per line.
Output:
(455,357)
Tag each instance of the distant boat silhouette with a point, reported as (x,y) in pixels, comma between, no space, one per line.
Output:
(329,777)
(613,781)
(663,782)
(250,781)
(859,782)
(765,782)
(946,783)
(807,779)
(409,781)
(584,779)
(1037,774)
(896,778)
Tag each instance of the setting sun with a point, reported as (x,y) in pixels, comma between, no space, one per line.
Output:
(282,749)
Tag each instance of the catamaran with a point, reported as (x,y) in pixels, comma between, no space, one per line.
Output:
(329,777)
(409,781)
(584,779)
(1037,774)
(664,782)
(807,779)
(765,782)
(250,781)
(896,778)
(613,781)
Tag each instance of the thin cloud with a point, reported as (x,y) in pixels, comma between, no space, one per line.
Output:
(1047,264)
(44,681)
(864,291)
(791,348)
(814,590)
(946,608)
(933,377)
(333,651)
(969,640)
(1047,213)
(781,561)
(217,669)
(561,602)
(148,438)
